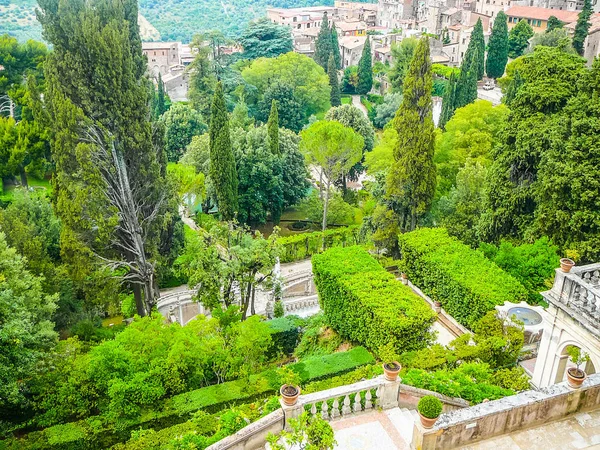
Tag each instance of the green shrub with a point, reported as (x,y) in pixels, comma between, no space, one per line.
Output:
(362,373)
(317,338)
(466,283)
(430,407)
(444,71)
(284,335)
(278,310)
(514,379)
(366,304)
(302,246)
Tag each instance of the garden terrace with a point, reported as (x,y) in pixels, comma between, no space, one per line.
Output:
(463,280)
(366,304)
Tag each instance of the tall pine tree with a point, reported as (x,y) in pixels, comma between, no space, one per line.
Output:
(273,129)
(582,27)
(497,56)
(411,181)
(365,70)
(222,170)
(109,184)
(448,102)
(161,105)
(323,45)
(335,47)
(334,83)
(477,42)
(466,89)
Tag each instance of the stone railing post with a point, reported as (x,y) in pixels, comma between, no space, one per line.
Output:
(388,394)
(290,412)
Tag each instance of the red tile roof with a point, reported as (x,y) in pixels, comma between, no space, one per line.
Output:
(533,12)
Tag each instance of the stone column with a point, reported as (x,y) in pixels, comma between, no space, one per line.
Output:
(290,412)
(388,394)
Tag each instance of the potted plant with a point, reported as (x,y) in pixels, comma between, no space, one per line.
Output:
(430,408)
(566,264)
(289,390)
(389,358)
(575,375)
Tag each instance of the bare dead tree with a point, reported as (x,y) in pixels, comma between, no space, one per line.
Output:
(135,214)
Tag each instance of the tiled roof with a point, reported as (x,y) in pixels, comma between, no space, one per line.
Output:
(533,12)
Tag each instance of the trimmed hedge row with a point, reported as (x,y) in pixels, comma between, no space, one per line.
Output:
(284,335)
(366,304)
(301,246)
(94,433)
(466,283)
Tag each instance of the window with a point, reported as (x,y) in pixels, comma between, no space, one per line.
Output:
(154,53)
(308,25)
(295,19)
(163,53)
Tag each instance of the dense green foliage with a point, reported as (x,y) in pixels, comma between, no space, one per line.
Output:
(292,114)
(498,47)
(448,101)
(466,88)
(324,43)
(518,39)
(386,111)
(182,123)
(273,129)
(402,54)
(582,27)
(265,39)
(302,246)
(463,280)
(223,172)
(477,43)
(366,304)
(430,407)
(334,83)
(365,70)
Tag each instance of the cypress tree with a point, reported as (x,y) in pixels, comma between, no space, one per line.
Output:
(478,43)
(554,24)
(412,179)
(448,102)
(513,88)
(160,98)
(109,183)
(365,70)
(497,56)
(466,89)
(336,99)
(582,27)
(335,47)
(222,170)
(323,45)
(273,128)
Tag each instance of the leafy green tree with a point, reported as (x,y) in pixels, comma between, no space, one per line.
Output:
(335,47)
(402,54)
(222,163)
(351,116)
(273,128)
(20,61)
(448,102)
(411,180)
(338,213)
(25,329)
(182,123)
(189,184)
(291,113)
(513,88)
(387,110)
(265,39)
(335,97)
(550,79)
(555,38)
(240,117)
(466,90)
(308,80)
(350,80)
(202,79)
(518,39)
(110,188)
(324,43)
(582,27)
(365,70)
(554,24)
(478,43)
(498,47)
(335,149)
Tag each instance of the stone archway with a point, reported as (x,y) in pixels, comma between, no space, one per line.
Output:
(563,362)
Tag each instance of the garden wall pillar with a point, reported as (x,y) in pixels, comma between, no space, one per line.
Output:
(388,394)
(290,412)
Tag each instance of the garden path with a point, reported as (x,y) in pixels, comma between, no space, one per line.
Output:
(356,102)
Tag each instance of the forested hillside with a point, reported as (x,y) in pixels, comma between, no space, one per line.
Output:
(174,19)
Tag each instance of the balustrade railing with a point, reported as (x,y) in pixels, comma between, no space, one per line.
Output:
(300,304)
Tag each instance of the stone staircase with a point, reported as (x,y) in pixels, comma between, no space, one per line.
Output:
(403,420)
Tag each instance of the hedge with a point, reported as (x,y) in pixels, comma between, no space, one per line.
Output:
(284,335)
(301,246)
(463,280)
(444,71)
(95,433)
(366,304)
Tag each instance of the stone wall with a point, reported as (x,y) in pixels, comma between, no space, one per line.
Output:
(254,435)
(408,397)
(506,415)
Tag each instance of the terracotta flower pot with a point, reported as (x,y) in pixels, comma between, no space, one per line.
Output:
(427,423)
(289,394)
(566,264)
(391,370)
(575,377)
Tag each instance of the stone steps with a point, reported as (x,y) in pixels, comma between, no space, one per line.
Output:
(403,420)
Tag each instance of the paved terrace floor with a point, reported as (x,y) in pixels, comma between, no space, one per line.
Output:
(392,430)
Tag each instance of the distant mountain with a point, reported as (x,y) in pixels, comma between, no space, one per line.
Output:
(175,20)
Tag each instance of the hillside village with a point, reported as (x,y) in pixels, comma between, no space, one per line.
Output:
(354,226)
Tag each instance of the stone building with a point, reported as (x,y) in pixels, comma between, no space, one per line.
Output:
(351,48)
(396,14)
(169,59)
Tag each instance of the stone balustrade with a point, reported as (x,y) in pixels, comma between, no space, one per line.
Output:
(578,294)
(289,306)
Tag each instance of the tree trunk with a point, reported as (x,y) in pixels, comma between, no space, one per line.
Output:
(245,301)
(325,206)
(139,301)
(23,177)
(252,310)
